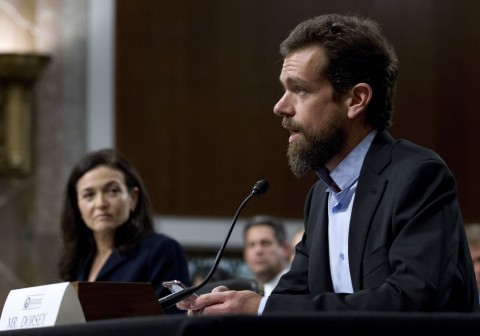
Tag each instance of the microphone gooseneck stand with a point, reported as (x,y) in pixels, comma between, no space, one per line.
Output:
(167,301)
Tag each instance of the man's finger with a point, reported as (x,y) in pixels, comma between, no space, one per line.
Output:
(220,289)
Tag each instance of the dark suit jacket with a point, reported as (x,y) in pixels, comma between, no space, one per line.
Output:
(156,258)
(407,245)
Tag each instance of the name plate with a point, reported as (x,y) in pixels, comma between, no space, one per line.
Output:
(41,306)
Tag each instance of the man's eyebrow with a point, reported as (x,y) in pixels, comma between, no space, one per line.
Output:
(293,81)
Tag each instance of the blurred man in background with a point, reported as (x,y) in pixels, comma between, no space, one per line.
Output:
(473,236)
(266,250)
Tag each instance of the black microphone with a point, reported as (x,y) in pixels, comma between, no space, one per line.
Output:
(167,301)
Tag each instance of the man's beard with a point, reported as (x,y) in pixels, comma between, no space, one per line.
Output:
(315,150)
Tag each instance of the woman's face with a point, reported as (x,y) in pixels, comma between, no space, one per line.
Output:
(103,199)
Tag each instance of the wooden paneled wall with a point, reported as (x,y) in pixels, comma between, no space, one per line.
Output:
(196,82)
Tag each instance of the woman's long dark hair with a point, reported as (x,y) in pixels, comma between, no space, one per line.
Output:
(77,238)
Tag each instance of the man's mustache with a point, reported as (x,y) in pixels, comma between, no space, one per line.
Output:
(290,124)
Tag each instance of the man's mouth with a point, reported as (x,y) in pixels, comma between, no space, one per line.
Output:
(294,134)
(292,129)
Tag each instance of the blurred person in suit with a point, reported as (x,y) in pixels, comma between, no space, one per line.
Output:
(202,271)
(222,277)
(107,228)
(473,236)
(266,250)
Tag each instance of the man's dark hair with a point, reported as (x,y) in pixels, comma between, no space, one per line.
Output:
(357,52)
(275,223)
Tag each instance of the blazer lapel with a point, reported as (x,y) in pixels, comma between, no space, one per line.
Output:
(113,261)
(318,230)
(370,188)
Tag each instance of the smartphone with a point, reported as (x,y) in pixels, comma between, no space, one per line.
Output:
(176,286)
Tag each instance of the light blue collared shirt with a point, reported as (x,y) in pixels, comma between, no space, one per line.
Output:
(340,203)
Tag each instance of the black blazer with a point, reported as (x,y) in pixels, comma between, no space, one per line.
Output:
(407,245)
(156,258)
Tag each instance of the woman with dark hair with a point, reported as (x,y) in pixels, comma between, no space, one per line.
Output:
(107,228)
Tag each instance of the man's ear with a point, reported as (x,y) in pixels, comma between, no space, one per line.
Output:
(360,96)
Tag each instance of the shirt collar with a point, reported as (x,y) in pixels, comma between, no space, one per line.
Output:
(346,173)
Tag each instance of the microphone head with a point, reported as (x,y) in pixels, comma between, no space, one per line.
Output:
(260,187)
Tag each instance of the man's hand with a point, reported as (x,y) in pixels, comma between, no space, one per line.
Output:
(223,301)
